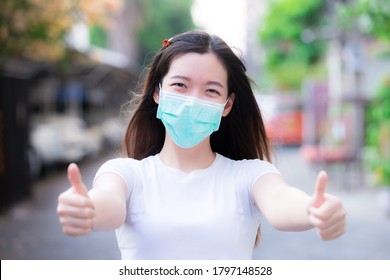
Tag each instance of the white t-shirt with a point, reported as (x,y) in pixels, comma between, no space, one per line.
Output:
(206,214)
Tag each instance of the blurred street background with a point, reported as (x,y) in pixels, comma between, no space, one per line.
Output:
(321,72)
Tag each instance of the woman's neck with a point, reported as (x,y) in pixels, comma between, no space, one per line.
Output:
(187,160)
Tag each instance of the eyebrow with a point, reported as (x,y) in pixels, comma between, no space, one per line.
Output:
(188,79)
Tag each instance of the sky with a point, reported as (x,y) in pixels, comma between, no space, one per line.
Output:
(225,18)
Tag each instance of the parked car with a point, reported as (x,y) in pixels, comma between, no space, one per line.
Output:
(61,139)
(283,117)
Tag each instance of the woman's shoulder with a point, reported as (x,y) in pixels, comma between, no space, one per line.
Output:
(244,162)
(249,165)
(125,164)
(126,161)
(129,169)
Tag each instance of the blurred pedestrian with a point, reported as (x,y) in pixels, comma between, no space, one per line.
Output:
(197,174)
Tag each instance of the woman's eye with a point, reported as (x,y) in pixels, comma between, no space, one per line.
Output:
(181,85)
(213,91)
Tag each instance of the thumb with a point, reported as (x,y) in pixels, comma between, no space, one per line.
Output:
(319,191)
(75,179)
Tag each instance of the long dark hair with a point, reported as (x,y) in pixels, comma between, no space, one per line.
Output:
(241,134)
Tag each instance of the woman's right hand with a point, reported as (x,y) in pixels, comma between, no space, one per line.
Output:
(75,209)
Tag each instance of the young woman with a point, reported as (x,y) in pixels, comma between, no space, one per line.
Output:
(197,175)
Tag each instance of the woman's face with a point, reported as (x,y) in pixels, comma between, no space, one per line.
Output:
(198,75)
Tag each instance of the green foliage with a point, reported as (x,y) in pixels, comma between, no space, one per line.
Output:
(98,36)
(371,17)
(288,58)
(378,135)
(36,29)
(161,20)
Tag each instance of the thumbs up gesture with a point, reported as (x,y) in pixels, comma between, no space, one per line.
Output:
(75,209)
(326,212)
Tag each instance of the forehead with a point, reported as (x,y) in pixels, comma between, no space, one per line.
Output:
(195,65)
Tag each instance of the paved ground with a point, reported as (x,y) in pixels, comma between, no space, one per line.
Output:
(31,230)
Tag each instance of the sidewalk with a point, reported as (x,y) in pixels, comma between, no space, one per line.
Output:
(31,229)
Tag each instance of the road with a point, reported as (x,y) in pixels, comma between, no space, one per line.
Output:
(31,230)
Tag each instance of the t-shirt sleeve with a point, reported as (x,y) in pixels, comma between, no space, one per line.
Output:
(123,167)
(254,170)
(261,168)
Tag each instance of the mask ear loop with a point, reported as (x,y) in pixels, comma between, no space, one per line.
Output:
(160,90)
(226,102)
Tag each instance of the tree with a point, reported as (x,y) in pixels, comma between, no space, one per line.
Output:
(162,20)
(290,56)
(378,135)
(36,29)
(370,17)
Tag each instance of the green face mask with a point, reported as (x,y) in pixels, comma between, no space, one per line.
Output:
(188,120)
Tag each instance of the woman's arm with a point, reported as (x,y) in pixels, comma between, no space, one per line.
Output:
(102,208)
(290,209)
(109,197)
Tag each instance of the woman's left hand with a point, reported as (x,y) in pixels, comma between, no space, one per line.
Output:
(326,212)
